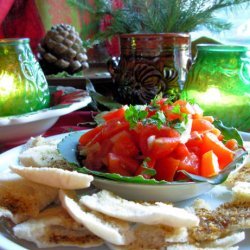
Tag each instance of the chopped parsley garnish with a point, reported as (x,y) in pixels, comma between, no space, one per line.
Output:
(158,119)
(155,101)
(179,126)
(134,114)
(140,113)
(176,109)
(146,169)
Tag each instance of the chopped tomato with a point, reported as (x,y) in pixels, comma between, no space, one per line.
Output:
(180,152)
(124,144)
(190,164)
(117,114)
(149,130)
(166,168)
(208,118)
(113,127)
(211,142)
(90,136)
(115,166)
(136,145)
(171,114)
(185,107)
(163,146)
(216,131)
(125,163)
(195,142)
(201,125)
(209,164)
(232,144)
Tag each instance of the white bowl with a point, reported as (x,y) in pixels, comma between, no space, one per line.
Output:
(19,128)
(160,192)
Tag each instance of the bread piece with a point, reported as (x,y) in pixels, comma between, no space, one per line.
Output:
(44,155)
(21,199)
(225,242)
(193,247)
(158,213)
(241,191)
(154,237)
(241,174)
(228,217)
(54,177)
(39,141)
(54,227)
(109,229)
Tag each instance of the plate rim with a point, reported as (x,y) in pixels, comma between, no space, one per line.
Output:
(47,113)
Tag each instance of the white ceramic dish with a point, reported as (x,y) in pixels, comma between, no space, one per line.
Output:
(214,197)
(18,128)
(165,193)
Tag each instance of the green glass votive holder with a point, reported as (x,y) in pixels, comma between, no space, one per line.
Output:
(23,86)
(219,81)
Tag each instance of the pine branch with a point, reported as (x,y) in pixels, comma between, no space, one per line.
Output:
(158,16)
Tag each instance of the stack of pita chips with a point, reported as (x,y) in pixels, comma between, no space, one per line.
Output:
(48,205)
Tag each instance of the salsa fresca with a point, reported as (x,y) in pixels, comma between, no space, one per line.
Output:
(157,141)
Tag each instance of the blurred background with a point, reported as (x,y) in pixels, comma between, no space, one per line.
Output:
(32,18)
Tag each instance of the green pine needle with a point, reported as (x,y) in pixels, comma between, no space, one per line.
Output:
(157,16)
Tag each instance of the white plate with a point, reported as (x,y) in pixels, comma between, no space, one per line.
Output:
(214,197)
(164,193)
(19,128)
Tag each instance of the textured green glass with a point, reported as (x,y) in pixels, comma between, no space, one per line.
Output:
(23,86)
(219,81)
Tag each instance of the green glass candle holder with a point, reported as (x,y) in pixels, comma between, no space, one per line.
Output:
(219,81)
(23,86)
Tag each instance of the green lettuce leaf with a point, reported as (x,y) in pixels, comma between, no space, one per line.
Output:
(228,133)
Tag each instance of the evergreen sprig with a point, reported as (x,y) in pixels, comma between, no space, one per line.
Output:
(158,16)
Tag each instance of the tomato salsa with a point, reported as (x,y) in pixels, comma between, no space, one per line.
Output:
(157,141)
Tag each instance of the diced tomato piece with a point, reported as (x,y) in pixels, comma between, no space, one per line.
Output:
(115,166)
(113,127)
(166,168)
(232,144)
(124,144)
(91,159)
(180,152)
(90,136)
(170,114)
(128,164)
(185,107)
(211,142)
(201,125)
(209,164)
(97,153)
(216,131)
(117,114)
(194,143)
(146,131)
(163,146)
(208,118)
(190,164)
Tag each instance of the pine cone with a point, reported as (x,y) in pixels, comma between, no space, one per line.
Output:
(61,50)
